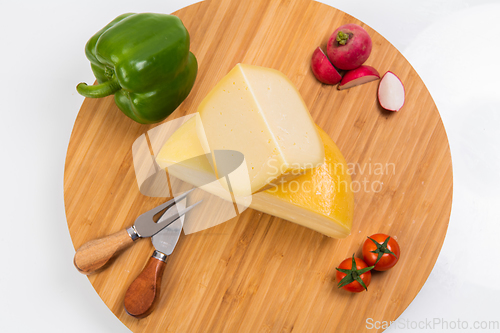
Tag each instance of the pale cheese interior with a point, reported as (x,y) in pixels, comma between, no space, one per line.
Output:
(259,112)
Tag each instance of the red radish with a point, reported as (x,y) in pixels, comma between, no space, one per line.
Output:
(391,92)
(349,46)
(360,75)
(323,69)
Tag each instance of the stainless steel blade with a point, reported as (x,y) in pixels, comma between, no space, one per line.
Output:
(165,240)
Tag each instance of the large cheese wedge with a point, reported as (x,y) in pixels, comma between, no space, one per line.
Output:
(259,112)
(322,199)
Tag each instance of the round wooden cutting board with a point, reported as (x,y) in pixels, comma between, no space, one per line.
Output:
(258,273)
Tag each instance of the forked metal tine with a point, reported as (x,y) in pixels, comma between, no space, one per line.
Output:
(184,211)
(176,216)
(167,205)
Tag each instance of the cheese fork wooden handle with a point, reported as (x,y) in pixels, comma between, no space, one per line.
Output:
(93,255)
(143,293)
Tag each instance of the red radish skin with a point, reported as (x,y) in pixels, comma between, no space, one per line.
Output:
(323,69)
(391,92)
(360,75)
(357,48)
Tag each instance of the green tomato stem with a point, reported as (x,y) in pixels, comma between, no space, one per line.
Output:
(353,274)
(382,249)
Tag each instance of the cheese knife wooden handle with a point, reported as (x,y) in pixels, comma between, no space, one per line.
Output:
(142,295)
(94,254)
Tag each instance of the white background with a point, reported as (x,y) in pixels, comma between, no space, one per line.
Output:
(452,44)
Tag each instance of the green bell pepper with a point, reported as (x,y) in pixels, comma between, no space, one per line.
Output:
(144,60)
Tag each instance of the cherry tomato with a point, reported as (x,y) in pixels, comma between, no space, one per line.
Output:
(387,248)
(360,272)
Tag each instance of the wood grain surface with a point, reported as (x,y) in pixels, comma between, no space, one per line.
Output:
(258,273)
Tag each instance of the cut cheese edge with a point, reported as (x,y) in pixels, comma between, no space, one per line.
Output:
(259,112)
(184,158)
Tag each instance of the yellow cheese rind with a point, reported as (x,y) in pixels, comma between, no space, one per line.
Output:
(259,112)
(322,199)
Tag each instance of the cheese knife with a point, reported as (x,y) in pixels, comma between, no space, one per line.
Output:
(143,293)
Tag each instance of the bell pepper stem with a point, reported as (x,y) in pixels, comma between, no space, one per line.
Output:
(100,90)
